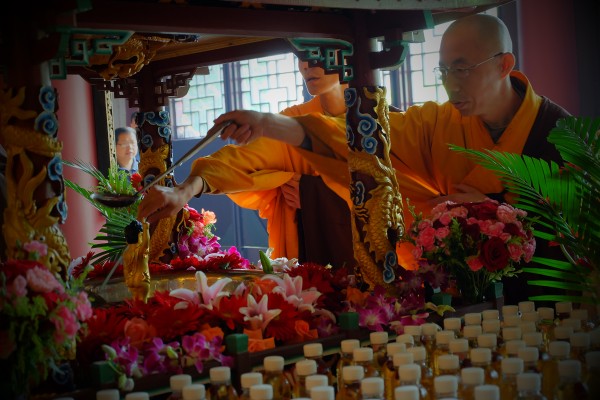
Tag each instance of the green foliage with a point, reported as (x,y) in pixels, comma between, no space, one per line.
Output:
(111,238)
(563,201)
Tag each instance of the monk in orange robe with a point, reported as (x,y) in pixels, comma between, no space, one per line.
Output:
(491,106)
(263,175)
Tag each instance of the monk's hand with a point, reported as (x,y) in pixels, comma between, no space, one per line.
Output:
(246,126)
(464,194)
(291,192)
(162,202)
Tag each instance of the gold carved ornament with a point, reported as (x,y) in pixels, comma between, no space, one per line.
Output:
(25,218)
(155,161)
(382,213)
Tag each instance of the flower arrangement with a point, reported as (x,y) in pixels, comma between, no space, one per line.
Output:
(185,328)
(475,243)
(43,316)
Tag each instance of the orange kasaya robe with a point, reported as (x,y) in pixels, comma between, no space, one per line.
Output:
(251,176)
(425,166)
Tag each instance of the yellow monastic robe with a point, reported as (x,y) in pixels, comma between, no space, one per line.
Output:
(425,167)
(252,175)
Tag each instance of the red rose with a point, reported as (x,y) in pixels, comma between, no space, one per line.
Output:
(484,210)
(494,254)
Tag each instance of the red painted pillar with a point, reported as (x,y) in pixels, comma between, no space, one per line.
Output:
(76,119)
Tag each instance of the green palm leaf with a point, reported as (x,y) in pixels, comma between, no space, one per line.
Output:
(111,237)
(563,201)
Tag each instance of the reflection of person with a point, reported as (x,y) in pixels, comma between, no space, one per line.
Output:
(135,259)
(271,177)
(127,149)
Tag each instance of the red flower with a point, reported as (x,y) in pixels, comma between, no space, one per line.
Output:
(483,210)
(494,254)
(171,323)
(136,181)
(314,275)
(282,327)
(228,310)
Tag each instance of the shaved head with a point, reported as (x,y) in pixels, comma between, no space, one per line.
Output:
(485,32)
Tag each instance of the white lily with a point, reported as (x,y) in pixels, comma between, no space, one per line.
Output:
(259,312)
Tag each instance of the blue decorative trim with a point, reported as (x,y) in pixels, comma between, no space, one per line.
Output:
(358,194)
(391,261)
(147,140)
(46,122)
(350,96)
(349,135)
(369,144)
(165,133)
(62,208)
(55,169)
(47,98)
(162,118)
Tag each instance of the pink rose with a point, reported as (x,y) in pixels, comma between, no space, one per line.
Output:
(459,212)
(516,251)
(446,218)
(18,287)
(529,250)
(474,264)
(494,229)
(42,281)
(440,208)
(424,224)
(441,233)
(506,213)
(83,308)
(426,238)
(417,252)
(65,323)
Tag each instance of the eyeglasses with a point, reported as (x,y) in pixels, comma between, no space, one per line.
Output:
(442,72)
(127,144)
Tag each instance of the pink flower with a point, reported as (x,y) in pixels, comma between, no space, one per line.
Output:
(440,208)
(529,249)
(516,251)
(459,212)
(65,323)
(446,218)
(426,238)
(417,252)
(474,264)
(18,287)
(493,229)
(506,213)
(424,224)
(42,281)
(441,233)
(35,247)
(83,308)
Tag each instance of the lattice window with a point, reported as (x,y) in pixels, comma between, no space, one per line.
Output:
(267,84)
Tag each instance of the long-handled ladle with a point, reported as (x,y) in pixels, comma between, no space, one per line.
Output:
(123,200)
